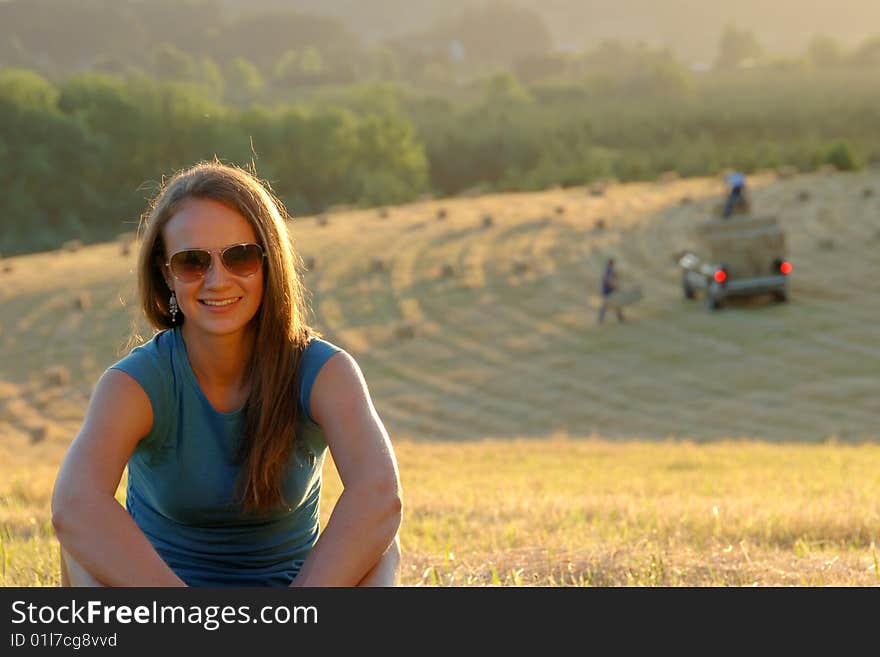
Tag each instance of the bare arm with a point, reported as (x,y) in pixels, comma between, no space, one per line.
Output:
(364,522)
(91,525)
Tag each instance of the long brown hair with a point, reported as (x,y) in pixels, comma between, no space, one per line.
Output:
(281,331)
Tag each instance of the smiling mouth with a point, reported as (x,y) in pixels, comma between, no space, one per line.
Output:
(218,303)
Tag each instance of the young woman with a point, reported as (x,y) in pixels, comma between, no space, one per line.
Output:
(224,418)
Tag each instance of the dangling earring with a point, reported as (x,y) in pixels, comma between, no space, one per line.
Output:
(172,307)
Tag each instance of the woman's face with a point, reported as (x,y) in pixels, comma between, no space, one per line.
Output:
(220,303)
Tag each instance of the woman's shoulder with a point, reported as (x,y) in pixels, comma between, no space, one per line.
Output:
(150,364)
(315,355)
(155,350)
(319,349)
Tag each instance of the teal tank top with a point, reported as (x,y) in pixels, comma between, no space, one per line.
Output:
(182,475)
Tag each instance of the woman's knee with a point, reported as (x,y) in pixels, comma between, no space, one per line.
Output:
(73,573)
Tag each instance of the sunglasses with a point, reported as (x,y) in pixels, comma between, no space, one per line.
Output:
(191,265)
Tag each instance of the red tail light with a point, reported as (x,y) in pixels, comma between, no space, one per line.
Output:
(720,276)
(785,268)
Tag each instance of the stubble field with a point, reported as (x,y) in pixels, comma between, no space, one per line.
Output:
(680,448)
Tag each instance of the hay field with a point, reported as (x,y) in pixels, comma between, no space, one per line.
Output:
(679,448)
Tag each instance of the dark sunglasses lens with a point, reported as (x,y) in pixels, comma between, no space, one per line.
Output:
(243,259)
(190,265)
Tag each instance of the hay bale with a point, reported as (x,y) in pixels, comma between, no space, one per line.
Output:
(72,246)
(57,375)
(825,244)
(82,301)
(599,225)
(521,266)
(404,331)
(441,214)
(447,270)
(377,265)
(322,220)
(38,434)
(488,220)
(787,172)
(126,242)
(309,263)
(803,196)
(127,238)
(597,188)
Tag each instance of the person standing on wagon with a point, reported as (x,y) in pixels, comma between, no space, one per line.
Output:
(224,418)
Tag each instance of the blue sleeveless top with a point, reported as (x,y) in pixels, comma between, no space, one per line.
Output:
(182,476)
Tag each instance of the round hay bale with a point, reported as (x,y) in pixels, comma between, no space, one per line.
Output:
(377,265)
(488,220)
(72,246)
(404,331)
(82,301)
(322,220)
(57,375)
(441,214)
(597,189)
(126,242)
(447,270)
(825,244)
(309,263)
(521,266)
(39,434)
(803,196)
(599,225)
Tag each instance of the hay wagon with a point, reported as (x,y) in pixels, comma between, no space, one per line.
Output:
(741,256)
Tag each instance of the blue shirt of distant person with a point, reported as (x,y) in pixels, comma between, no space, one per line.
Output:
(737,183)
(609,285)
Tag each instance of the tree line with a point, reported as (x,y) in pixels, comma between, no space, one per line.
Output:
(83,145)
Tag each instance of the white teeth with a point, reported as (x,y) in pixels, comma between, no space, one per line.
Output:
(225,302)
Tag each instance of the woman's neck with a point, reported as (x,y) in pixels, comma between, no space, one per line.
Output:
(219,360)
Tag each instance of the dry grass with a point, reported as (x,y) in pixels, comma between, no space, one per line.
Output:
(562,512)
(518,356)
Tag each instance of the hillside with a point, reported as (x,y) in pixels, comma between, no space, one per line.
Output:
(515,355)
(505,341)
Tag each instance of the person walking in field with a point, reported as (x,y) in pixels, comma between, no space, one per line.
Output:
(224,418)
(608,287)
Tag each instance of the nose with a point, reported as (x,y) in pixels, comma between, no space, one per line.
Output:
(216,276)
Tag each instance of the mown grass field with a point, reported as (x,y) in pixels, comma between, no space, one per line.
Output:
(681,448)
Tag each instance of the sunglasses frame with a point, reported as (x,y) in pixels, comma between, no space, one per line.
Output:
(211,252)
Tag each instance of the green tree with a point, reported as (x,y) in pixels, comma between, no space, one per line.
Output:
(824,52)
(737,49)
(244,81)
